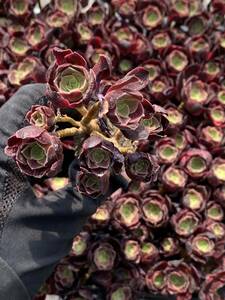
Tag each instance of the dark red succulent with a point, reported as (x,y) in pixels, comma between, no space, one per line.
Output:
(41,116)
(169,246)
(195,197)
(104,256)
(216,175)
(99,156)
(174,179)
(185,222)
(166,151)
(141,167)
(70,82)
(36,152)
(196,162)
(149,253)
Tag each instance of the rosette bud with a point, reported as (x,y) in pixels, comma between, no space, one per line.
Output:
(36,152)
(214,211)
(166,151)
(70,82)
(132,251)
(161,41)
(212,137)
(217,115)
(155,209)
(18,47)
(68,7)
(120,292)
(57,19)
(176,59)
(176,119)
(149,253)
(64,276)
(221,97)
(80,244)
(201,246)
(99,156)
(217,228)
(156,277)
(174,179)
(196,162)
(213,285)
(217,172)
(104,257)
(185,222)
(41,116)
(36,35)
(141,167)
(102,216)
(195,197)
(91,184)
(126,212)
(219,195)
(169,246)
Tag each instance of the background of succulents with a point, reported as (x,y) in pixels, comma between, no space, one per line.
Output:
(167,238)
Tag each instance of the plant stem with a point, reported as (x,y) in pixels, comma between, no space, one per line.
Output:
(82,110)
(122,149)
(66,119)
(90,115)
(68,132)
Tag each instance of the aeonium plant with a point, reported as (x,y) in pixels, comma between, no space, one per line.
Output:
(103,125)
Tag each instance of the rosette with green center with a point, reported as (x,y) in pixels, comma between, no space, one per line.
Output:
(120,292)
(153,67)
(195,197)
(212,70)
(155,209)
(18,46)
(217,115)
(102,216)
(201,246)
(125,65)
(141,166)
(156,277)
(36,152)
(64,276)
(104,257)
(180,8)
(161,89)
(132,251)
(213,286)
(217,228)
(80,244)
(196,94)
(57,19)
(174,179)
(169,246)
(99,156)
(176,119)
(36,35)
(176,59)
(214,211)
(96,15)
(212,137)
(216,175)
(149,253)
(126,212)
(41,116)
(152,17)
(92,185)
(221,97)
(20,8)
(197,25)
(161,41)
(70,81)
(196,162)
(185,222)
(166,151)
(68,7)
(123,37)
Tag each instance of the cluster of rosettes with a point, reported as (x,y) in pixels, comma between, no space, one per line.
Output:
(111,121)
(112,114)
(142,243)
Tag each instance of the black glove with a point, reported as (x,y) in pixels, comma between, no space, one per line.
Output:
(34,233)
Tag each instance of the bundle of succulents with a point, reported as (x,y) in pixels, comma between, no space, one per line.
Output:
(135,89)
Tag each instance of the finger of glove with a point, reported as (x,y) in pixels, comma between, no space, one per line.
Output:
(13,111)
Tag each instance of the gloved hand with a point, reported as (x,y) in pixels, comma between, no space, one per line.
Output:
(34,233)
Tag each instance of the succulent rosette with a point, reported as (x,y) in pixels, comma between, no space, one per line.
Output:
(176,59)
(70,82)
(101,217)
(166,151)
(123,103)
(155,209)
(132,251)
(217,228)
(169,246)
(195,197)
(196,162)
(201,246)
(18,47)
(141,167)
(212,137)
(99,156)
(149,253)
(216,175)
(64,276)
(185,222)
(36,35)
(104,256)
(216,114)
(41,116)
(214,211)
(68,7)
(126,211)
(37,153)
(120,292)
(174,179)
(212,287)
(173,278)
(91,184)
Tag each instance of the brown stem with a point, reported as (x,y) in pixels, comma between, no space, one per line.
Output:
(66,119)
(91,114)
(82,110)
(67,132)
